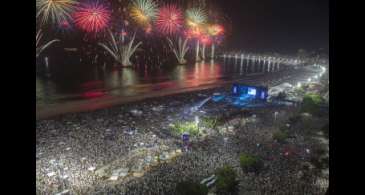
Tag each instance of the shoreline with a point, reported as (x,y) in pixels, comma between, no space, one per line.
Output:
(80,106)
(50,111)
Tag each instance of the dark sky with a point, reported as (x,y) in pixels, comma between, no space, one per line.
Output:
(282,26)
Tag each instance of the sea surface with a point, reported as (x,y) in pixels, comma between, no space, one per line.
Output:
(74,80)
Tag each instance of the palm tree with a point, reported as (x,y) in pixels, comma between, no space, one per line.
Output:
(179,50)
(39,47)
(119,51)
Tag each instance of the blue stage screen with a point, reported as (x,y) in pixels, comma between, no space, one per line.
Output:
(251,91)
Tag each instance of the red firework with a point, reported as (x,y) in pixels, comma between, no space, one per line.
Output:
(206,40)
(193,33)
(64,24)
(215,30)
(169,19)
(148,30)
(123,33)
(92,17)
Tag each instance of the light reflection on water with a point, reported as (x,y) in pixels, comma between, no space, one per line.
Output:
(92,82)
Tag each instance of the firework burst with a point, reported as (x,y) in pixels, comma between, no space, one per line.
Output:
(143,11)
(65,26)
(120,51)
(179,49)
(56,10)
(148,29)
(169,19)
(39,46)
(215,30)
(205,40)
(193,32)
(92,17)
(196,17)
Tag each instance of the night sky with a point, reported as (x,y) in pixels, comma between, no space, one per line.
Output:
(282,26)
(258,26)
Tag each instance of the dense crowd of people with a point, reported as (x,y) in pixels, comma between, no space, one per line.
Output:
(72,149)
